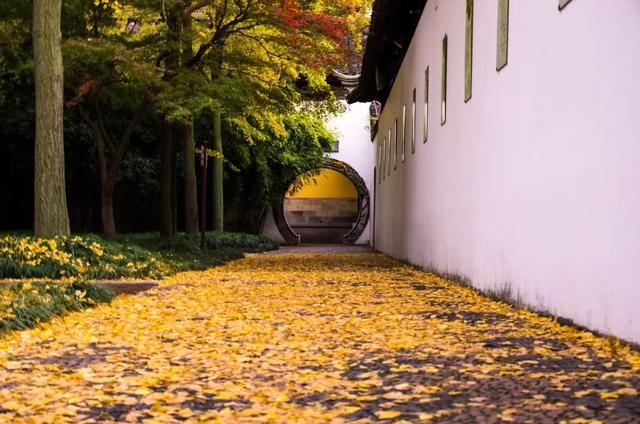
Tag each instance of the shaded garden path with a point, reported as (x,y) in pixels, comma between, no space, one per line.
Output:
(311,337)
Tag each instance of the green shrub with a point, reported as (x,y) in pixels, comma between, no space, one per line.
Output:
(190,243)
(246,242)
(182,251)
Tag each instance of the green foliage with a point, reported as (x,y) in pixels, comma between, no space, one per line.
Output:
(240,241)
(259,71)
(133,256)
(16,61)
(279,158)
(118,72)
(88,257)
(182,251)
(279,152)
(190,243)
(25,305)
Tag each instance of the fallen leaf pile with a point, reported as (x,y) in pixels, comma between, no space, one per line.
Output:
(313,338)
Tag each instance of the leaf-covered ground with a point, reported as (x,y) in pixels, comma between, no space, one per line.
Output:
(312,338)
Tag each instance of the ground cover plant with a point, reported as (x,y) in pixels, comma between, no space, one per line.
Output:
(69,263)
(81,258)
(91,257)
(26,304)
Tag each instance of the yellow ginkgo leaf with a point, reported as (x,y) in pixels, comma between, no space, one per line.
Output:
(388,415)
(351,409)
(282,398)
(627,391)
(395,396)
(609,395)
(225,396)
(185,413)
(10,405)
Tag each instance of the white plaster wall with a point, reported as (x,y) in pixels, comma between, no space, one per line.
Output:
(535,182)
(356,149)
(352,128)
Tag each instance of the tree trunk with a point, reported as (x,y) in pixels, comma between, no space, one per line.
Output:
(218,174)
(166,181)
(105,148)
(106,204)
(190,184)
(51,217)
(174,188)
(191,223)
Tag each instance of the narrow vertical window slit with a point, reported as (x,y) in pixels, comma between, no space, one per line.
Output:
(413,123)
(404,131)
(443,92)
(468,53)
(425,130)
(395,145)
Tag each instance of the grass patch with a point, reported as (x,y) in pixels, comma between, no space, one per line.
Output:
(25,305)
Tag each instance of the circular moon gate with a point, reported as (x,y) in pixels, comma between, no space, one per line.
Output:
(364,206)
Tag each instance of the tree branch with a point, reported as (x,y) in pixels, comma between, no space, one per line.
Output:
(100,121)
(125,141)
(189,10)
(98,141)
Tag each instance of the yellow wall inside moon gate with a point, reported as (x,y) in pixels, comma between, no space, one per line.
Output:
(329,184)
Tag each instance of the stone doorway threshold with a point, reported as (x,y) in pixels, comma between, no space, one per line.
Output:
(322,248)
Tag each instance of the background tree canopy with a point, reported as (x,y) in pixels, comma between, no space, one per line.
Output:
(139,71)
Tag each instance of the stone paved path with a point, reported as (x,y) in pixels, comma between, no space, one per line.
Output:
(312,338)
